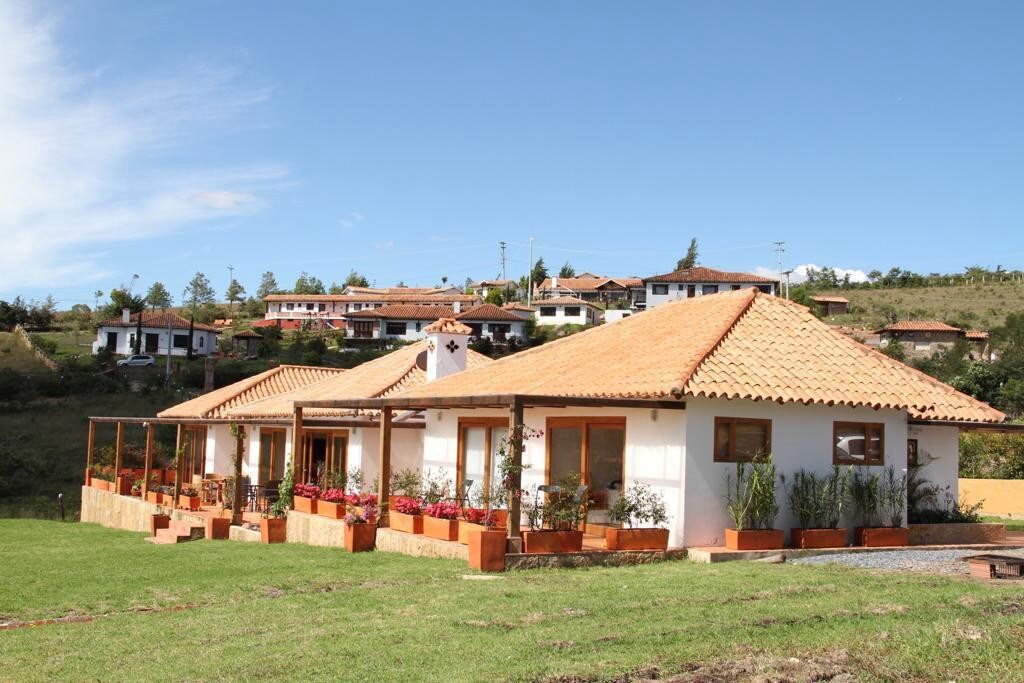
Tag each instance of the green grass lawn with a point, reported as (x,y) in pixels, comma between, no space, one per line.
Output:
(297,612)
(1011,524)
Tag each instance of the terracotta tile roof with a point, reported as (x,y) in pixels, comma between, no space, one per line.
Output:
(374,298)
(516,306)
(403,312)
(564,301)
(397,371)
(247,334)
(740,344)
(978,335)
(493,283)
(919,326)
(272,382)
(396,290)
(448,326)
(153,319)
(830,300)
(703,274)
(579,284)
(488,312)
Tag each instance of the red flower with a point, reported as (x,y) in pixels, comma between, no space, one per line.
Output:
(443,510)
(408,506)
(333,495)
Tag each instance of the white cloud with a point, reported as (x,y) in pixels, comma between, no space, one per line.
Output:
(350,220)
(800,273)
(74,151)
(387,244)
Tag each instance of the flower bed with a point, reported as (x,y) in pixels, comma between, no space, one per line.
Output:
(331,504)
(407,516)
(304,498)
(442,521)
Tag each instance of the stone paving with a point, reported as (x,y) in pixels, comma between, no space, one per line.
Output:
(935,561)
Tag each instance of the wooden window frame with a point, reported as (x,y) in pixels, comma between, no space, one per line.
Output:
(330,457)
(389,323)
(489,424)
(584,423)
(732,422)
(659,289)
(569,311)
(867,426)
(553,311)
(914,451)
(273,457)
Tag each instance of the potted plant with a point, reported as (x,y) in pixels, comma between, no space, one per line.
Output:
(219,525)
(639,514)
(555,519)
(102,478)
(407,516)
(752,505)
(137,488)
(442,521)
(273,524)
(361,529)
(486,546)
(331,503)
(495,502)
(188,498)
(304,497)
(123,484)
(881,501)
(476,519)
(405,483)
(818,503)
(158,520)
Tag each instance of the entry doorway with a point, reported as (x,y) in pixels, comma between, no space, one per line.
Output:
(272,445)
(194,451)
(593,447)
(152,342)
(324,456)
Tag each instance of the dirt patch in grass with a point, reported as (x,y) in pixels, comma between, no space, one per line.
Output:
(831,666)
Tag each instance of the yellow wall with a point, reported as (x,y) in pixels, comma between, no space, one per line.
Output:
(1000,496)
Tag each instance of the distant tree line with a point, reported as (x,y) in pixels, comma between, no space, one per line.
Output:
(34,315)
(896,277)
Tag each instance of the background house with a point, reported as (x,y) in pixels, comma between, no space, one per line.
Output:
(831,305)
(492,322)
(699,281)
(567,310)
(590,288)
(920,336)
(118,335)
(484,287)
(290,311)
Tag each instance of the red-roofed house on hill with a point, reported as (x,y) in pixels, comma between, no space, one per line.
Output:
(408,322)
(920,336)
(118,335)
(700,280)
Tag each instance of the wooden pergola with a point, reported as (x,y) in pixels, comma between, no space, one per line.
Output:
(515,404)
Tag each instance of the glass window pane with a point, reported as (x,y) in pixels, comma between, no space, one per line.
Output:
(850,442)
(474,444)
(605,464)
(566,452)
(751,439)
(279,441)
(722,440)
(266,441)
(498,436)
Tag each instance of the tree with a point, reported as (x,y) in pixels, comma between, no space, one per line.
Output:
(307,284)
(895,350)
(97,295)
(121,299)
(197,292)
(335,288)
(191,335)
(355,279)
(690,260)
(235,293)
(268,285)
(80,318)
(567,270)
(539,273)
(158,296)
(494,296)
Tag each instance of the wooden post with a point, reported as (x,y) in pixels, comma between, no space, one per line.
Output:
(236,504)
(384,482)
(118,449)
(180,463)
(150,434)
(515,432)
(90,440)
(296,443)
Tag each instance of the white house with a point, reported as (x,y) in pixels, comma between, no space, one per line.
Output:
(698,281)
(292,310)
(161,332)
(485,287)
(404,322)
(566,310)
(492,322)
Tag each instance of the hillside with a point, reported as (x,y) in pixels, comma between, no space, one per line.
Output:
(981,306)
(16,356)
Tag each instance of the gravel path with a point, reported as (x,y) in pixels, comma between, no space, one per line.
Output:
(937,561)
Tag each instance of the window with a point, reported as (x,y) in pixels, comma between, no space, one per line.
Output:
(309,307)
(272,444)
(395,328)
(735,287)
(499,328)
(691,291)
(181,341)
(322,307)
(592,446)
(659,289)
(357,307)
(547,311)
(912,460)
(201,340)
(858,443)
(709,289)
(289,307)
(572,311)
(479,442)
(419,324)
(741,439)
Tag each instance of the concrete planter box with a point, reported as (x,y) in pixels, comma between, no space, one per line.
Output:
(154,497)
(410,524)
(101,484)
(218,528)
(157,522)
(360,538)
(755,539)
(188,502)
(636,539)
(881,537)
(441,529)
(487,549)
(552,541)
(307,505)
(957,534)
(466,528)
(818,538)
(273,530)
(330,510)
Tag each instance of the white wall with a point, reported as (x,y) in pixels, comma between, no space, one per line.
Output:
(679,291)
(364,450)
(939,447)
(615,315)
(587,316)
(801,438)
(124,335)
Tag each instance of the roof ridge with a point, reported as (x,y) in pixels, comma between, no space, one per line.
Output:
(678,390)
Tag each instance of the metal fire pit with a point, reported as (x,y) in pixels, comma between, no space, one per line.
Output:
(996,566)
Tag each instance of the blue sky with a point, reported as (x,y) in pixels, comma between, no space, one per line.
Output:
(405,140)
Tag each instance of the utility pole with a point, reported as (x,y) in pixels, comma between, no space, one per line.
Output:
(502,246)
(170,345)
(529,277)
(780,249)
(787,273)
(231,281)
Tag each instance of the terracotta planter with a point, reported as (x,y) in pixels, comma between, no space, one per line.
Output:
(101,484)
(755,539)
(881,537)
(410,524)
(486,549)
(466,528)
(636,539)
(154,497)
(443,529)
(218,527)
(817,538)
(88,476)
(188,502)
(158,521)
(330,510)
(500,517)
(359,538)
(307,505)
(552,541)
(123,486)
(273,529)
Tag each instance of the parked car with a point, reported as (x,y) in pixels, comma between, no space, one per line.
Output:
(136,360)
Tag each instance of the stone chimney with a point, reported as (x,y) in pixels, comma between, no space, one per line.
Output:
(446,347)
(126,316)
(554,281)
(457,307)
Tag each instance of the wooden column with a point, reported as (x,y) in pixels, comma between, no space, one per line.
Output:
(179,469)
(384,481)
(296,443)
(236,504)
(90,441)
(146,473)
(515,432)
(118,450)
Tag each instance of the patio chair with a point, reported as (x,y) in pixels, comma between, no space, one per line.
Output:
(467,484)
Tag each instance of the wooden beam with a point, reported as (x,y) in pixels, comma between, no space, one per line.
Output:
(384,468)
(89,443)
(146,473)
(118,449)
(236,504)
(180,463)
(496,401)
(296,442)
(515,432)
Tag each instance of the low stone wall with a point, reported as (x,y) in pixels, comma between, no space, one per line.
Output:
(596,558)
(997,496)
(115,512)
(955,534)
(417,545)
(240,533)
(315,530)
